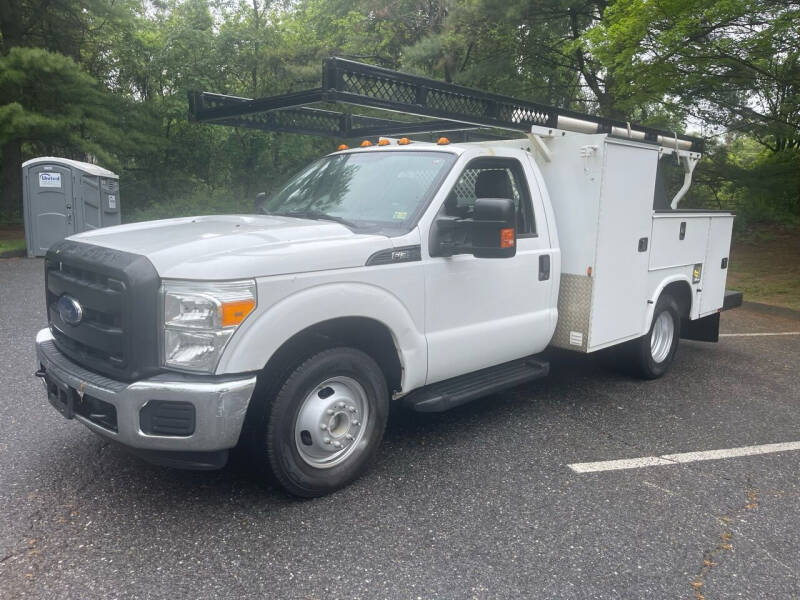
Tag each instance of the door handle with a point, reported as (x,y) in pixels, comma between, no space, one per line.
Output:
(643,244)
(544,267)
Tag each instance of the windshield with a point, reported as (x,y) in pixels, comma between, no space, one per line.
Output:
(378,191)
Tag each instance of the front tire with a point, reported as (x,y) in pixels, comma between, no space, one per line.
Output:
(326,422)
(652,354)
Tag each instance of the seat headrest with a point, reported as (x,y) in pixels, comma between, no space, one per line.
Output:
(493,183)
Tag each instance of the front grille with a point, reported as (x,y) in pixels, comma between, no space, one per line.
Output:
(118,293)
(100,337)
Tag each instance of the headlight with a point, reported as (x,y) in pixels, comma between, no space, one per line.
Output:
(199,319)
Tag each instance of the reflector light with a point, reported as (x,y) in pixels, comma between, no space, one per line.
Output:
(589,271)
(383,142)
(442,141)
(507,237)
(696,272)
(343,147)
(235,312)
(366,143)
(403,141)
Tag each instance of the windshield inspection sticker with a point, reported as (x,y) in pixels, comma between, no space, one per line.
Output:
(400,215)
(51,180)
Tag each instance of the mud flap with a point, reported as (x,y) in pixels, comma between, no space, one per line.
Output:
(702,330)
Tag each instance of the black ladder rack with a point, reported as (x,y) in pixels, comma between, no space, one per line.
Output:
(443,106)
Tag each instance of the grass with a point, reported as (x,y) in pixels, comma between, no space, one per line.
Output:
(12,237)
(765,265)
(9,245)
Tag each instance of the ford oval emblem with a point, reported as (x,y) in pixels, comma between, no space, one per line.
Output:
(69,309)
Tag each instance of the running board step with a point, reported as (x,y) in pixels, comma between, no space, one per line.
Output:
(444,395)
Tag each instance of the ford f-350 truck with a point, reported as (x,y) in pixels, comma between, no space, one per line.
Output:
(423,273)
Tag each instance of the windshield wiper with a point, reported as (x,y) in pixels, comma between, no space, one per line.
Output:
(312,214)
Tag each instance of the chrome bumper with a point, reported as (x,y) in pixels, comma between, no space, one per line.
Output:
(220,405)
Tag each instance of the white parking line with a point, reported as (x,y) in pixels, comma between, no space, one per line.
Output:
(685,457)
(757,334)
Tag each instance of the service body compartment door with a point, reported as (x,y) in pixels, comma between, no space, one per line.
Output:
(715,267)
(619,303)
(678,240)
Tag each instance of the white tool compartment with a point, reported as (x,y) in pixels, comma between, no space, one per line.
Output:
(616,250)
(682,239)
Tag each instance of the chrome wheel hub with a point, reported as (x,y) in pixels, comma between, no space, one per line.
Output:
(331,422)
(661,338)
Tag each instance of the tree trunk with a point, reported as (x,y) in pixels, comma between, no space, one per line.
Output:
(11,201)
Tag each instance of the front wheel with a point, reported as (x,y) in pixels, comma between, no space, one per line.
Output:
(327,421)
(653,353)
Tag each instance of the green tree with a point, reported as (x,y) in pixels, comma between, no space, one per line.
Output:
(60,108)
(732,65)
(78,29)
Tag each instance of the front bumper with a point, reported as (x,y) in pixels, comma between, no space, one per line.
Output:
(220,404)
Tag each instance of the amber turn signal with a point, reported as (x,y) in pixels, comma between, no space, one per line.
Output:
(235,312)
(507,238)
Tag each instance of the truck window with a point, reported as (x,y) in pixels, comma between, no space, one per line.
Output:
(492,178)
(376,190)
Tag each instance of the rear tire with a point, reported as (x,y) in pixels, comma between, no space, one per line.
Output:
(651,355)
(326,422)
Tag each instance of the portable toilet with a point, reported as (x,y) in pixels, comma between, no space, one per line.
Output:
(62,197)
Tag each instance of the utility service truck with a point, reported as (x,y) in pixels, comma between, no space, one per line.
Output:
(399,270)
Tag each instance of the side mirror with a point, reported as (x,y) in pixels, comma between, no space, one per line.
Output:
(494,228)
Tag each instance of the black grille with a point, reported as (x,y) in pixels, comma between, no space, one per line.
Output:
(118,293)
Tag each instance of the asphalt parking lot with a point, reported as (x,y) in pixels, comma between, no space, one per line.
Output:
(477,503)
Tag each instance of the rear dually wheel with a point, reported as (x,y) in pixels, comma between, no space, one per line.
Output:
(651,355)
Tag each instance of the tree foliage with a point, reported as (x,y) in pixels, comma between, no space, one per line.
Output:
(108,79)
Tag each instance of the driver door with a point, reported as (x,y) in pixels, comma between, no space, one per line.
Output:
(481,312)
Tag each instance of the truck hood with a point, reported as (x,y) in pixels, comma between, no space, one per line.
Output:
(239,246)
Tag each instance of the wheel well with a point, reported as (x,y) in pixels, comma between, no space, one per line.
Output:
(681,292)
(368,335)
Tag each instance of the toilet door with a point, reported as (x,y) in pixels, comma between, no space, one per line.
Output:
(50,208)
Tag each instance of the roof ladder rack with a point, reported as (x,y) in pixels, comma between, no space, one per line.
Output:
(443,106)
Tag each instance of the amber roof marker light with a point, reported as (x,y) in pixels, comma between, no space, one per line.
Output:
(442,141)
(343,147)
(403,141)
(383,142)
(366,143)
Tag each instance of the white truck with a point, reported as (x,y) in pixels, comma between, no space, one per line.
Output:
(423,273)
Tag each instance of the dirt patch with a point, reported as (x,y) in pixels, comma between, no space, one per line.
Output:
(765,265)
